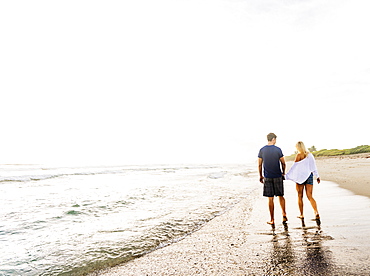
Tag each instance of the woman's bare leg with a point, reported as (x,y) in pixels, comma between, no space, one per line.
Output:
(309,190)
(300,188)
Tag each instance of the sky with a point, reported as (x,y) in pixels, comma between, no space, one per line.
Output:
(180,81)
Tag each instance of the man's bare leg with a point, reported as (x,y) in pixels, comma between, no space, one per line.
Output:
(282,205)
(271,208)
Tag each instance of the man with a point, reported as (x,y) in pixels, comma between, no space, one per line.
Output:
(270,157)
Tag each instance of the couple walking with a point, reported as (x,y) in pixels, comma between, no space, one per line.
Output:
(271,159)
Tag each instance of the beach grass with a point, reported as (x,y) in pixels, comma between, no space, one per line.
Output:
(335,152)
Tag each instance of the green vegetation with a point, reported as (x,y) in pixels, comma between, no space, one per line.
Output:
(336,152)
(333,152)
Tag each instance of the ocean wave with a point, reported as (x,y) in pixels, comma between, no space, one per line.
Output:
(79,223)
(26,178)
(217,175)
(66,172)
(38,177)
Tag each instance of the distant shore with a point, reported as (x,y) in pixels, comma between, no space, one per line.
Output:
(351,172)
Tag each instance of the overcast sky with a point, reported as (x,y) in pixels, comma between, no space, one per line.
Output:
(180,81)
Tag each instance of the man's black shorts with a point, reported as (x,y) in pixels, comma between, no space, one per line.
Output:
(273,187)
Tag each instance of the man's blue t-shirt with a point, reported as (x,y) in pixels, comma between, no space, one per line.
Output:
(271,161)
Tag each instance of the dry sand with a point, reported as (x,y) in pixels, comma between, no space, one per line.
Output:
(239,242)
(351,172)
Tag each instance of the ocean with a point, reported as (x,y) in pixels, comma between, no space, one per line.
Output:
(75,220)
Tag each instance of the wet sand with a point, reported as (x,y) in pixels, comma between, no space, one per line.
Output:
(239,242)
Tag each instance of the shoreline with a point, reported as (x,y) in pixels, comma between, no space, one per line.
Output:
(239,242)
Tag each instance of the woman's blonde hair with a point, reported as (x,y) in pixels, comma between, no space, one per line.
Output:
(302,148)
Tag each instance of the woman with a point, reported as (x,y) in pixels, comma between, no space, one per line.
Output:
(302,172)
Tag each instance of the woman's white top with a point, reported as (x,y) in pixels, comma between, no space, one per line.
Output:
(301,170)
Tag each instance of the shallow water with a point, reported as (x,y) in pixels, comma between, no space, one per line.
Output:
(72,221)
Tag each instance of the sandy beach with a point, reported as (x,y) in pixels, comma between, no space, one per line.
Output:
(239,242)
(350,171)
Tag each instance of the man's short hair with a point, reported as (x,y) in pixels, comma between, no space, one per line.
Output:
(271,136)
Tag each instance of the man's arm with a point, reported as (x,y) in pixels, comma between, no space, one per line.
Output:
(283,165)
(260,161)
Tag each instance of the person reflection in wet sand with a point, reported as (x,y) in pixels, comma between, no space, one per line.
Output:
(317,260)
(291,256)
(282,260)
